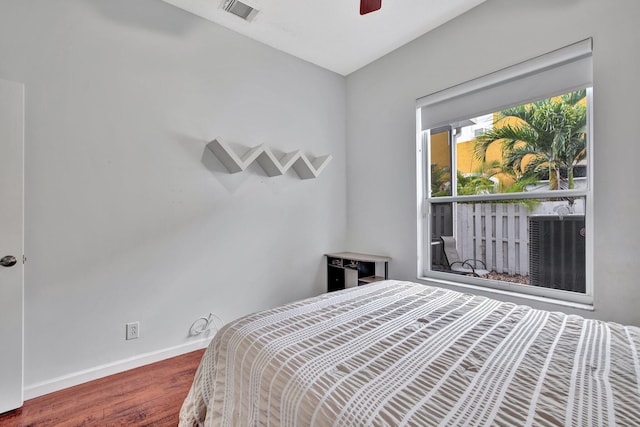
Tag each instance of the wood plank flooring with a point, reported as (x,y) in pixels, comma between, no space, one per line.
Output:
(147,396)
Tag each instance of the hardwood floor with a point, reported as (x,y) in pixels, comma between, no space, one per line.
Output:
(147,396)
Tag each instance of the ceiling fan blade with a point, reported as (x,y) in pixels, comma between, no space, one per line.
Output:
(367,6)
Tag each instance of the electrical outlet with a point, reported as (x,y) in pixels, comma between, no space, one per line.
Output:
(133,330)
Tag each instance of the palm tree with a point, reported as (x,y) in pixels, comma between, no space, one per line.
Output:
(543,138)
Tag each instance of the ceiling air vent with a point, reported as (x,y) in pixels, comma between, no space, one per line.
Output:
(240,9)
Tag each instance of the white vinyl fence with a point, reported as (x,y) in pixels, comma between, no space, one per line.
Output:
(496,233)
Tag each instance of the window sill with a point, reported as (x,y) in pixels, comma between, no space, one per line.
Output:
(548,300)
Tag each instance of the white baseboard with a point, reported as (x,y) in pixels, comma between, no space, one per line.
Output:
(80,377)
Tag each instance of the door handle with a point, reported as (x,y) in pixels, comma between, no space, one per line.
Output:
(8,261)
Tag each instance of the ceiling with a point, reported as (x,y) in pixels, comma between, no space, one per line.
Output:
(332,33)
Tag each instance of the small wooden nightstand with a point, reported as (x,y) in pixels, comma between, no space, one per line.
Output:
(349,269)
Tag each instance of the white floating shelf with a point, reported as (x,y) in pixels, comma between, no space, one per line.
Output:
(273,166)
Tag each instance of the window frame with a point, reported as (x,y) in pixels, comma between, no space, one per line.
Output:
(425,203)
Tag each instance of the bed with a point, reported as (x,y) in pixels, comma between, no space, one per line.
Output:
(399,353)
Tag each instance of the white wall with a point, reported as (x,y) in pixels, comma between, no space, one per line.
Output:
(128,216)
(498,33)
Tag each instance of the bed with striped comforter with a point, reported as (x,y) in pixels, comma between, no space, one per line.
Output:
(399,353)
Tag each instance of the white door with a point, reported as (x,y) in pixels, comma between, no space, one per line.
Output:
(11,243)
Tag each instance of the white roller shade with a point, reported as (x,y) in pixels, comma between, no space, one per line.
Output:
(561,71)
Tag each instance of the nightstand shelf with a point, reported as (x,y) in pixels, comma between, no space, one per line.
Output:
(371,279)
(349,269)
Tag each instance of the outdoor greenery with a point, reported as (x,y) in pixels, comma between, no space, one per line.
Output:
(440,181)
(467,184)
(474,184)
(542,139)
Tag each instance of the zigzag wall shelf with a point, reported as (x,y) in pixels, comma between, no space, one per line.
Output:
(273,166)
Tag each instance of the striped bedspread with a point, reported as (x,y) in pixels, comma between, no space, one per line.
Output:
(399,353)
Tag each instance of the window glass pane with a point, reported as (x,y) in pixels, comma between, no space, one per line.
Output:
(538,146)
(534,242)
(441,225)
(440,159)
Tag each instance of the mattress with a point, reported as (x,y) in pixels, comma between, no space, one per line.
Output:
(399,353)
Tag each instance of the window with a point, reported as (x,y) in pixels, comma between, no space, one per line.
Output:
(504,179)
